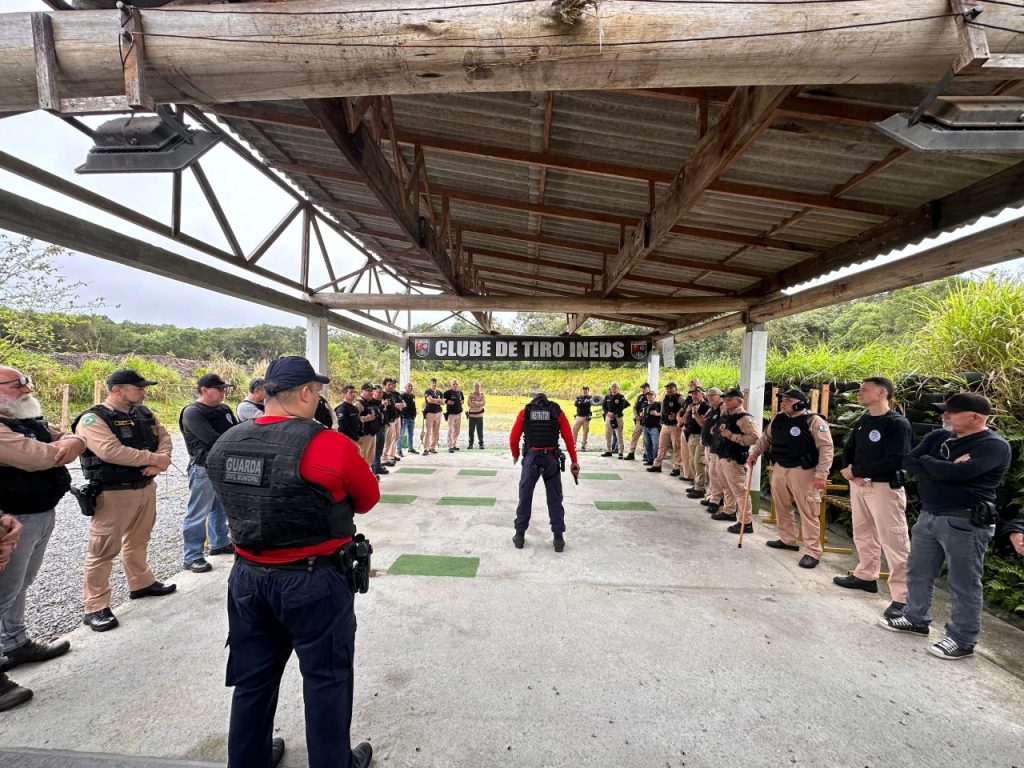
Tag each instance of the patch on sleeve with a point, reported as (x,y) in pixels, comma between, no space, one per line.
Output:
(89,418)
(823,428)
(750,420)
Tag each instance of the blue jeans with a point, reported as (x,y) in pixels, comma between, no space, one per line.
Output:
(651,437)
(269,616)
(406,435)
(18,576)
(937,539)
(205,518)
(535,466)
(378,450)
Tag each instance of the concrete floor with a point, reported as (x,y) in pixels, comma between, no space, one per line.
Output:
(651,641)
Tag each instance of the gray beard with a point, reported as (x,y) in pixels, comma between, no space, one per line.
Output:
(24,407)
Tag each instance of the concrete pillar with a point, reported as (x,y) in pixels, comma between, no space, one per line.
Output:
(753,362)
(316,343)
(404,366)
(654,370)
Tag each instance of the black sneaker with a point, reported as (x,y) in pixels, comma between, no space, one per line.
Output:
(227,549)
(894,610)
(654,468)
(630,457)
(413,451)
(362,754)
(471,446)
(903,624)
(456,447)
(852,582)
(156,589)
(693,493)
(949,649)
(719,515)
(606,454)
(433,450)
(101,620)
(748,528)
(389,463)
(33,651)
(198,566)
(383,471)
(276,751)
(780,544)
(519,539)
(709,503)
(675,473)
(808,562)
(451,450)
(397,458)
(11,694)
(712,508)
(620,455)
(559,542)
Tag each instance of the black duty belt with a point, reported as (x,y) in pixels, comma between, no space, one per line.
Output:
(964,514)
(127,486)
(308,564)
(543,450)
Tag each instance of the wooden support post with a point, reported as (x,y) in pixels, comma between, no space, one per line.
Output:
(814,400)
(775,402)
(133,43)
(46,62)
(65,399)
(974,50)
(97,392)
(824,401)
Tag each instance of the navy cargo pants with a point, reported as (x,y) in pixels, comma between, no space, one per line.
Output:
(535,466)
(270,614)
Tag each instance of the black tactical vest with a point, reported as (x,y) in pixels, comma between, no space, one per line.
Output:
(221,420)
(28,493)
(136,429)
(269,505)
(691,427)
(540,423)
(793,450)
(431,407)
(727,449)
(373,426)
(584,406)
(348,420)
(709,432)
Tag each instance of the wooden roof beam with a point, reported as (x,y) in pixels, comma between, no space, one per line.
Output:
(533,303)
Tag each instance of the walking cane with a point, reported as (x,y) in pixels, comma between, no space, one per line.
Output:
(746,503)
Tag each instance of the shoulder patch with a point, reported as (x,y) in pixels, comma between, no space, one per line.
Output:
(823,428)
(750,420)
(89,418)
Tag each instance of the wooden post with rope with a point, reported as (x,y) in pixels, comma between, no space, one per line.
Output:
(746,505)
(65,398)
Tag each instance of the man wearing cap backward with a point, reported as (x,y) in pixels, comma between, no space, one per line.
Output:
(252,406)
(958,470)
(291,489)
(126,447)
(800,447)
(202,423)
(872,457)
(738,431)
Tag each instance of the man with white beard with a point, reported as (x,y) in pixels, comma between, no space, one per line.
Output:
(33,478)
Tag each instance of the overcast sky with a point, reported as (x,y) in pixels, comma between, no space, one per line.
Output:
(253,204)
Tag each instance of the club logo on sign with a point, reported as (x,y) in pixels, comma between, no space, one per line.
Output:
(422,348)
(638,349)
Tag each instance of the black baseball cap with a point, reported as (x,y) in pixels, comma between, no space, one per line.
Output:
(212,381)
(966,402)
(288,372)
(367,387)
(734,392)
(128,376)
(795,394)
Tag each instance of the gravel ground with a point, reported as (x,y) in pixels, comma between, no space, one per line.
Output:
(54,604)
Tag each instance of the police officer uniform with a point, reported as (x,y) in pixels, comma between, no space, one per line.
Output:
(290,488)
(613,407)
(125,450)
(584,413)
(800,449)
(540,424)
(349,423)
(201,426)
(670,435)
(638,421)
(698,412)
(453,398)
(873,454)
(709,438)
(737,431)
(371,423)
(393,406)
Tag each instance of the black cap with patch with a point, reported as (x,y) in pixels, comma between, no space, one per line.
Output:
(733,393)
(795,394)
(128,376)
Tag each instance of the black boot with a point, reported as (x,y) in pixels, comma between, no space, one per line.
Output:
(631,456)
(559,542)
(12,694)
(519,539)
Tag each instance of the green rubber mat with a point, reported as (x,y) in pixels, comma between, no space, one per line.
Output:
(396,498)
(467,501)
(434,565)
(599,476)
(417,470)
(478,472)
(632,505)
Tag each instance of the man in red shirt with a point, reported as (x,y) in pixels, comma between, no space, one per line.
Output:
(540,424)
(290,489)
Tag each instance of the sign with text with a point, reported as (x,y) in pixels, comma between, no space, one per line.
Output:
(598,349)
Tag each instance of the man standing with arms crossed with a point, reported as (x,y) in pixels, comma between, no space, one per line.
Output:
(584,413)
(738,431)
(872,458)
(958,470)
(669,436)
(433,400)
(453,400)
(638,420)
(613,408)
(800,447)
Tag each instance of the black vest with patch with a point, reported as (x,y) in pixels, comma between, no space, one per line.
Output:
(135,429)
(269,505)
(789,450)
(221,420)
(29,493)
(348,420)
(540,423)
(709,432)
(726,448)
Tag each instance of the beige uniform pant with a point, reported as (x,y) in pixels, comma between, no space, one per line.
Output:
(454,425)
(638,432)
(795,485)
(696,451)
(582,422)
(367,446)
(880,525)
(391,432)
(734,478)
(669,437)
(608,432)
(714,488)
(684,463)
(431,430)
(122,525)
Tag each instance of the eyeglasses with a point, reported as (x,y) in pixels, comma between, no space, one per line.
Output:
(21,381)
